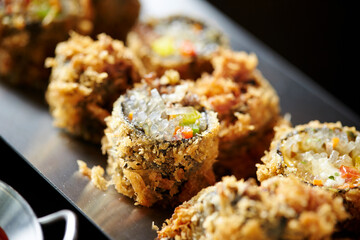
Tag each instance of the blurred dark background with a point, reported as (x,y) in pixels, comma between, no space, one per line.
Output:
(317,36)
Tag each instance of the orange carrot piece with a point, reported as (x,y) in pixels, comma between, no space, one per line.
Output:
(130,116)
(187,49)
(317,182)
(197,27)
(350,174)
(187,132)
(177,128)
(335,141)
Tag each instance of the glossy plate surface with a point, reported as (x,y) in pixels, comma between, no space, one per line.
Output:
(26,125)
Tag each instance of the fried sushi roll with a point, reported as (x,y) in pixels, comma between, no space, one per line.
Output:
(247,107)
(161,143)
(321,154)
(29,32)
(281,208)
(176,42)
(87,77)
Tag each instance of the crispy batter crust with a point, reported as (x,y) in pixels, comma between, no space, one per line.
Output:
(188,67)
(96,174)
(281,208)
(87,77)
(247,107)
(163,172)
(273,165)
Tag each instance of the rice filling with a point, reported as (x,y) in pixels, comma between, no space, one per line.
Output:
(323,156)
(160,119)
(183,37)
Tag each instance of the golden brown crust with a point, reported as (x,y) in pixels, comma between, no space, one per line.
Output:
(281,208)
(87,77)
(247,107)
(241,157)
(152,171)
(158,171)
(96,174)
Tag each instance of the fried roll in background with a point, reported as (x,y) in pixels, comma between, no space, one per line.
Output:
(87,77)
(281,208)
(176,42)
(247,107)
(31,29)
(326,155)
(161,143)
(29,32)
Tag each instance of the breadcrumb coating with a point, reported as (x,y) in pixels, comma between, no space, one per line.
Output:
(247,107)
(87,77)
(150,171)
(96,174)
(281,208)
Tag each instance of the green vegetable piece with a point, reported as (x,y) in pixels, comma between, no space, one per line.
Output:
(164,46)
(195,128)
(332,177)
(41,8)
(42,11)
(189,118)
(337,174)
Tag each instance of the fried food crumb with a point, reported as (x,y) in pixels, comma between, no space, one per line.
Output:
(96,174)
